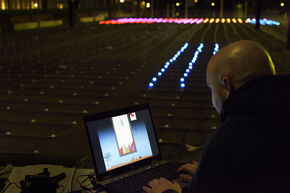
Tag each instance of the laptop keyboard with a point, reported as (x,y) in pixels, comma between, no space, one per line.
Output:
(134,184)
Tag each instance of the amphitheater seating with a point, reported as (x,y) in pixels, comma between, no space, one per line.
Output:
(50,78)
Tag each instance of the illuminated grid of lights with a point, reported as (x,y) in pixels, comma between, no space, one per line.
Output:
(263,21)
(190,65)
(167,64)
(187,21)
(216,48)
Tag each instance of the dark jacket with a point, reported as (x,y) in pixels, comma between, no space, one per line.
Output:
(250,151)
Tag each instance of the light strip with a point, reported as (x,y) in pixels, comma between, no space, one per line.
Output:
(154,20)
(167,65)
(263,21)
(186,21)
(190,65)
(216,48)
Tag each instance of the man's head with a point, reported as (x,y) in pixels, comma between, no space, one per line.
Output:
(235,65)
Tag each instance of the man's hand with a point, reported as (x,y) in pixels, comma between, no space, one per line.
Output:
(159,186)
(189,170)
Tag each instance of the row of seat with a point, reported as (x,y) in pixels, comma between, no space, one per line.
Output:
(50,78)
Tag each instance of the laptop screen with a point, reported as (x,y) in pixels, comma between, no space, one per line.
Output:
(122,139)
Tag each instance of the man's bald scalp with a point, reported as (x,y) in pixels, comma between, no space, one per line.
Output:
(242,61)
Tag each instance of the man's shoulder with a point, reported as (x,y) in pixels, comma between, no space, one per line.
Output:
(236,132)
(232,126)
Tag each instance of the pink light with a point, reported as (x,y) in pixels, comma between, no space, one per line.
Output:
(192,21)
(164,21)
(186,21)
(199,21)
(152,20)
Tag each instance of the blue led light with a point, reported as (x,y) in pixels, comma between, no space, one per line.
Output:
(216,48)
(190,65)
(263,21)
(166,66)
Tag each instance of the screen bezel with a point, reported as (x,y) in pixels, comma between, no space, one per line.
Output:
(109,114)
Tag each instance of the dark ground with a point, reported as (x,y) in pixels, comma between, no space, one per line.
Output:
(50,78)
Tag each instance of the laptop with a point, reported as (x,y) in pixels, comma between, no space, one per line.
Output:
(125,150)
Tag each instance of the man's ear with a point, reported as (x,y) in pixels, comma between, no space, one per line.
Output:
(227,81)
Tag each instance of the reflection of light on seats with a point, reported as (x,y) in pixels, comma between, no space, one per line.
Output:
(206,20)
(217,20)
(3,5)
(223,20)
(228,20)
(240,20)
(234,20)
(211,20)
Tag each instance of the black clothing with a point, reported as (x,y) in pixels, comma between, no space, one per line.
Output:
(250,151)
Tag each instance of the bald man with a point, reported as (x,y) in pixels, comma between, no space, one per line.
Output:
(250,151)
